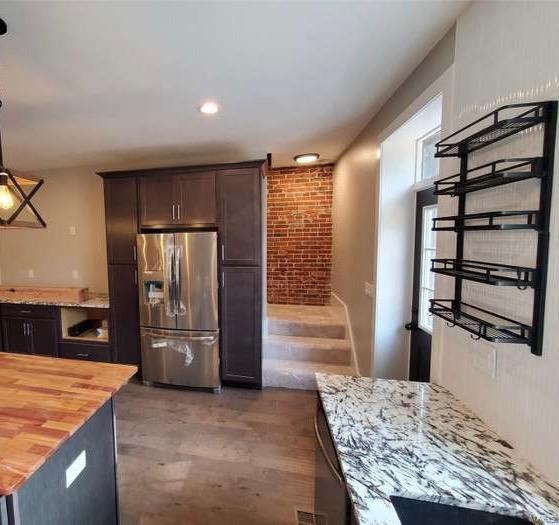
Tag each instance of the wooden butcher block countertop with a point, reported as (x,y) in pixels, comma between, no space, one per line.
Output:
(44,401)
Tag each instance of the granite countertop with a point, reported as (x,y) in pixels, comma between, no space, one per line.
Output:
(94,301)
(400,438)
(44,401)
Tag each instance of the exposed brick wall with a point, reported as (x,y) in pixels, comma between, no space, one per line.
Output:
(300,235)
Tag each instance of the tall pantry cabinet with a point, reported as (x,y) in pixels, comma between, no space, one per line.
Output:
(222,197)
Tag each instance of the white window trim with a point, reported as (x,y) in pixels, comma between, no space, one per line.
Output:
(425,227)
(419,154)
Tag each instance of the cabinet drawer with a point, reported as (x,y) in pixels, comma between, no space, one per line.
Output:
(88,352)
(29,311)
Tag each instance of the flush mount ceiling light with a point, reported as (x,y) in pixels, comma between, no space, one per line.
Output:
(209,108)
(14,199)
(306,158)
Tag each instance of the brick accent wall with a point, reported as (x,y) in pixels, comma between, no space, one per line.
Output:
(300,235)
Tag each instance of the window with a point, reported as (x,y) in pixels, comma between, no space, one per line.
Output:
(427,283)
(426,165)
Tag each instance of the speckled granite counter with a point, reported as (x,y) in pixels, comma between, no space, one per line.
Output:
(398,438)
(96,301)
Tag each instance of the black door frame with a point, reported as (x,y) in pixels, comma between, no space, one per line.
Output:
(420,341)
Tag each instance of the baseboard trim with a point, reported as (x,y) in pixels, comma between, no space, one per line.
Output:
(354,361)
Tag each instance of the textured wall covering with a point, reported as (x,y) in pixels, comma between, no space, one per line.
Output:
(520,399)
(299,235)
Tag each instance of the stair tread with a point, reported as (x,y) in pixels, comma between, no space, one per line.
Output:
(303,341)
(306,367)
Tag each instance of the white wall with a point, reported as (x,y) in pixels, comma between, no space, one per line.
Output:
(505,53)
(396,242)
(355,202)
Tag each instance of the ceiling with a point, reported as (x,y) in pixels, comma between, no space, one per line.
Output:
(118,84)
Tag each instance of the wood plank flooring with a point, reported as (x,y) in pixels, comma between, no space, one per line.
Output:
(243,457)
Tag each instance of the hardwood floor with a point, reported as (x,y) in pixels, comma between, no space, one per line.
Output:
(243,457)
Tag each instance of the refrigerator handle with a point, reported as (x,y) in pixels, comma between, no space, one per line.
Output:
(169,278)
(179,307)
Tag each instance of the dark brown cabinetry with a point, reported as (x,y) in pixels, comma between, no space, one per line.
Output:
(124,329)
(157,201)
(121,217)
(30,336)
(222,197)
(121,220)
(196,198)
(178,200)
(240,215)
(241,335)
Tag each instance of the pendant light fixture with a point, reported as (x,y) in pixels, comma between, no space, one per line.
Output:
(14,199)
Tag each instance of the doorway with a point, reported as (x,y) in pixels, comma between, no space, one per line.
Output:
(407,165)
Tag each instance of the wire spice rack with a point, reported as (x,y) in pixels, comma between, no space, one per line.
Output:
(500,124)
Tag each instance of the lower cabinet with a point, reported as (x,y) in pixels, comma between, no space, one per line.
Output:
(30,336)
(124,329)
(241,326)
(88,352)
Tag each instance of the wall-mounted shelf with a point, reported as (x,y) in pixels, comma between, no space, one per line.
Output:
(497,125)
(481,323)
(496,173)
(487,273)
(502,123)
(525,220)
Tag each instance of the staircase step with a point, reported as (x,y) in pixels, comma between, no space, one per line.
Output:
(299,375)
(289,327)
(317,349)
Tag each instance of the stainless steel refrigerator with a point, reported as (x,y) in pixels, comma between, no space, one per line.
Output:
(179,323)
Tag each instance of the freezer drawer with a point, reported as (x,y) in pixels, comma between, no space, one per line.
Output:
(177,357)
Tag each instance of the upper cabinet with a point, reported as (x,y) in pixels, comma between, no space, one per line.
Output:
(186,199)
(240,216)
(157,203)
(195,194)
(121,217)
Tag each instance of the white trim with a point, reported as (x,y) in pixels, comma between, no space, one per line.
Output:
(424,184)
(354,361)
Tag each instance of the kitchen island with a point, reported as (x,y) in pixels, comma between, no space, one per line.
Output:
(402,439)
(57,440)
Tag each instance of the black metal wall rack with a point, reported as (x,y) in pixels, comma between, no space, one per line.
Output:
(500,124)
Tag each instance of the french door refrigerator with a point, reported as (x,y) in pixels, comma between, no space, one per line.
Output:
(178,295)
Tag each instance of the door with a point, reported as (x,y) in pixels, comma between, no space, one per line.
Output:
(196,199)
(196,280)
(157,203)
(43,337)
(421,324)
(121,215)
(124,334)
(241,312)
(181,358)
(240,216)
(156,277)
(15,335)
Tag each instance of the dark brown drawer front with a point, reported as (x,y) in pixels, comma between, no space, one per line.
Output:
(29,310)
(85,351)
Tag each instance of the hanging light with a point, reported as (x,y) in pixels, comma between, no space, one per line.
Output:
(16,191)
(6,197)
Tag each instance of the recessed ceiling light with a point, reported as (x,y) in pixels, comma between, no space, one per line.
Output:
(209,108)
(306,158)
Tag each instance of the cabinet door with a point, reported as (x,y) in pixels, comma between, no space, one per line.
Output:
(15,335)
(240,216)
(241,325)
(125,332)
(43,337)
(196,198)
(157,203)
(121,217)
